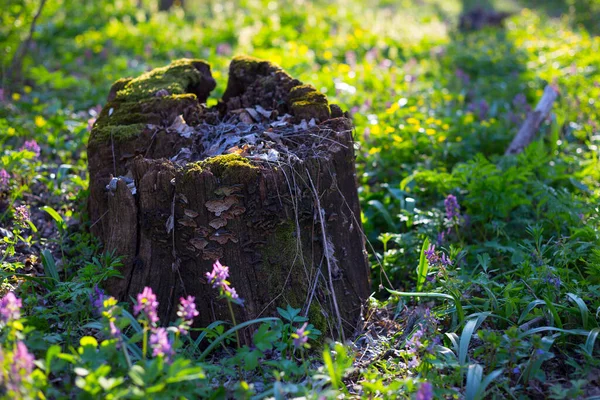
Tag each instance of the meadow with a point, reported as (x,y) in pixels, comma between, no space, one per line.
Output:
(485,268)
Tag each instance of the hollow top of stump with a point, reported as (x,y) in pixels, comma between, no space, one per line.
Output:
(178,92)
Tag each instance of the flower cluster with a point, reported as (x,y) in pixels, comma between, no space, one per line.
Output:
(435,259)
(425,392)
(452,208)
(301,337)
(187,312)
(10,308)
(22,216)
(4,179)
(31,145)
(218,278)
(160,343)
(422,342)
(147,304)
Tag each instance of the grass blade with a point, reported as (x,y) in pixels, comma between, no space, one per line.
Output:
(528,309)
(423,266)
(583,309)
(236,328)
(591,340)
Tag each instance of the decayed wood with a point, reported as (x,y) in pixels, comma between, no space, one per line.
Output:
(531,125)
(289,228)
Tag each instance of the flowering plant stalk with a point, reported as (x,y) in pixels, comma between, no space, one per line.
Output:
(218,277)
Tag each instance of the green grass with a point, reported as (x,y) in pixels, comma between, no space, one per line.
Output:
(513,315)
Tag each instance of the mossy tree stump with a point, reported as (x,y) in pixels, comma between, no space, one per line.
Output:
(264,182)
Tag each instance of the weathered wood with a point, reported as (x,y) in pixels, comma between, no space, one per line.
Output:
(284,215)
(531,125)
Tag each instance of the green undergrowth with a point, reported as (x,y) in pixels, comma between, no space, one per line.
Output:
(505,306)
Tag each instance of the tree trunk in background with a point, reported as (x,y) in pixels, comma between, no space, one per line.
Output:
(280,207)
(164,5)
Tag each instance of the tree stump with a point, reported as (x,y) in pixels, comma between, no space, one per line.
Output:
(264,182)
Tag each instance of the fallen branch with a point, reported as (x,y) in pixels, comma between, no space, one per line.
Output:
(529,128)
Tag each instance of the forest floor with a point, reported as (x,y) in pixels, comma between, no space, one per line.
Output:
(505,305)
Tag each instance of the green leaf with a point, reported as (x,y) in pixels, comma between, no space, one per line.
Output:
(49,265)
(60,222)
(384,213)
(136,373)
(474,375)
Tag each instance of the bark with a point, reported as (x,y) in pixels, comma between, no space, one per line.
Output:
(531,125)
(289,229)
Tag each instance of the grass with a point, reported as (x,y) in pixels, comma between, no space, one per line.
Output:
(505,306)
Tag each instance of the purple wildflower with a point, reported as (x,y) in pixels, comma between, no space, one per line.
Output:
(452,208)
(440,238)
(22,360)
(413,363)
(445,260)
(425,392)
(97,298)
(218,278)
(219,274)
(432,256)
(301,336)
(462,75)
(10,308)
(115,332)
(4,179)
(414,343)
(553,280)
(187,308)
(187,311)
(224,49)
(516,370)
(161,345)
(31,145)
(540,352)
(22,215)
(146,303)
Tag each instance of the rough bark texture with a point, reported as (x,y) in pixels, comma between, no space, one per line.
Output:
(289,228)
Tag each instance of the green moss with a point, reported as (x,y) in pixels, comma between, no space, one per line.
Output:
(134,103)
(229,167)
(176,78)
(280,249)
(306,102)
(118,133)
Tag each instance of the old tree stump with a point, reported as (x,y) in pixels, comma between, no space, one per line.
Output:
(264,182)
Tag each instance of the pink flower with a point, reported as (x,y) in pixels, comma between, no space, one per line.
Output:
(161,345)
(10,307)
(218,278)
(22,361)
(146,303)
(22,215)
(31,145)
(301,336)
(4,179)
(187,308)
